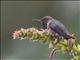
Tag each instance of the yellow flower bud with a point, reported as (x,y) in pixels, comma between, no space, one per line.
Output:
(50,45)
(78,47)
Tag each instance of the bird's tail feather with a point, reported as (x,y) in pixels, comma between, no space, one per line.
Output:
(71,41)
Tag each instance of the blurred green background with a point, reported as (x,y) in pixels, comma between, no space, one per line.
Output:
(17,14)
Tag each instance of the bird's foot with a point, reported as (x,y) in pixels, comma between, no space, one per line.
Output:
(56,41)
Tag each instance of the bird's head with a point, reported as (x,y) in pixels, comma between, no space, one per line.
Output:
(44,19)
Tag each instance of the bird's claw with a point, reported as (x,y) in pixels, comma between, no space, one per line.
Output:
(55,41)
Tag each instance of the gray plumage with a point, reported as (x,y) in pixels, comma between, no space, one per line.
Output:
(56,27)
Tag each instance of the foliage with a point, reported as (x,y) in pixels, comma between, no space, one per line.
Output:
(44,36)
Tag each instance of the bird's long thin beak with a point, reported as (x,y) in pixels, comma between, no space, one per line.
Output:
(39,20)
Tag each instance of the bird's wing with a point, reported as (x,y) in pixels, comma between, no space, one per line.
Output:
(60,25)
(59,28)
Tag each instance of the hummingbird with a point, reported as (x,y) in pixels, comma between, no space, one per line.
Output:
(57,29)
